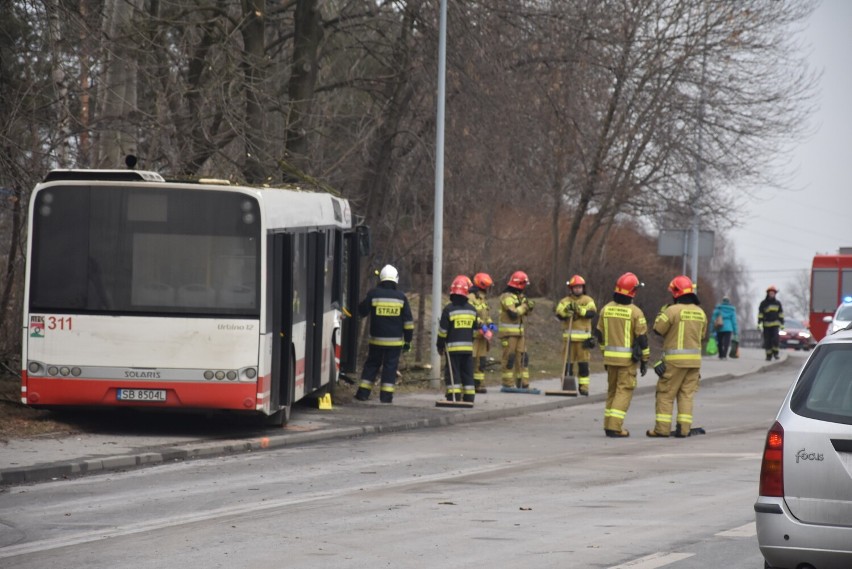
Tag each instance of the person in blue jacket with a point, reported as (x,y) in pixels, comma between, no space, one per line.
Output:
(723,323)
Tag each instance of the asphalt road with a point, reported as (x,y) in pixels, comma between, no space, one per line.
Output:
(542,489)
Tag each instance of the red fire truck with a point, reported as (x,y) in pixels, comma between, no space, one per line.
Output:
(831,281)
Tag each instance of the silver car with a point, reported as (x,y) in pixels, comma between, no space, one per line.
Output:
(842,317)
(804,507)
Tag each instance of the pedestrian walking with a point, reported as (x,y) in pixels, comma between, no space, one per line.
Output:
(724,322)
(683,326)
(514,307)
(576,312)
(484,327)
(391,330)
(770,319)
(623,335)
(455,339)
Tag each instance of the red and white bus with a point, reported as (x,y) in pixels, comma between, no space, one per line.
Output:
(179,295)
(831,281)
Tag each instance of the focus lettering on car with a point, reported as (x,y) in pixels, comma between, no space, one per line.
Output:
(805,455)
(133,374)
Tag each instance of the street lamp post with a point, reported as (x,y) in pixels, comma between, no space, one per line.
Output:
(438,229)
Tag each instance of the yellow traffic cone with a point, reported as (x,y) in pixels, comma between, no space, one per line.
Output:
(325,401)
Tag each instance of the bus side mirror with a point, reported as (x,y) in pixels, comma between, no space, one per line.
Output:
(365,246)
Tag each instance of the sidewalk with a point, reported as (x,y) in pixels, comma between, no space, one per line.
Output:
(56,457)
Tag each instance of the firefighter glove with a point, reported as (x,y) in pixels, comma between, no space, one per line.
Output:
(530,303)
(492,327)
(406,347)
(660,368)
(589,343)
(643,368)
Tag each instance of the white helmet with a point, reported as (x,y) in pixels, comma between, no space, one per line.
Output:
(389,273)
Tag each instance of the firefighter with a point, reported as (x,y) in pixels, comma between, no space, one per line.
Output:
(391,329)
(455,338)
(770,319)
(576,312)
(623,335)
(514,306)
(683,326)
(484,327)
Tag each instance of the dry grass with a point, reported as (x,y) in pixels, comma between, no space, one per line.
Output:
(19,421)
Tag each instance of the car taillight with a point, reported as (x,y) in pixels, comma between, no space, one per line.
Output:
(772,468)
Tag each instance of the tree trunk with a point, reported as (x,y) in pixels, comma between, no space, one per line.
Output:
(118,93)
(254,70)
(303,77)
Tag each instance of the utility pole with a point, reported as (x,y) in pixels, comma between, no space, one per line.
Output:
(699,167)
(438,228)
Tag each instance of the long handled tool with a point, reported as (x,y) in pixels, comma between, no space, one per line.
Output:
(456,404)
(569,382)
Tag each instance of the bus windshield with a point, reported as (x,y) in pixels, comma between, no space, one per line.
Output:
(138,250)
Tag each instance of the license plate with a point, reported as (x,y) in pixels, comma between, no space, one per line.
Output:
(142,395)
(793,342)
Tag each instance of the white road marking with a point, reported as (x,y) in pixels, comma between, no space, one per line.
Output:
(653,561)
(747,530)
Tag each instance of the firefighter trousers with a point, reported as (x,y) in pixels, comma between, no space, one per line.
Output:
(621,381)
(771,341)
(514,362)
(579,355)
(480,351)
(460,383)
(677,384)
(386,359)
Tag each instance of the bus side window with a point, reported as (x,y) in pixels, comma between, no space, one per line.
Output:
(365,245)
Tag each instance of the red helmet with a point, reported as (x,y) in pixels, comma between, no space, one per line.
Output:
(627,284)
(681,285)
(773,288)
(482,280)
(461,285)
(519,280)
(576,280)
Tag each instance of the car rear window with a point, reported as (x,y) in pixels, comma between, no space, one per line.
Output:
(824,390)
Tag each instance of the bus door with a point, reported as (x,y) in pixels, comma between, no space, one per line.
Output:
(316,308)
(283,364)
(352,246)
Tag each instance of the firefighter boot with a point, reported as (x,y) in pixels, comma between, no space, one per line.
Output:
(386,397)
(623,433)
(363,394)
(654,434)
(479,387)
(468,397)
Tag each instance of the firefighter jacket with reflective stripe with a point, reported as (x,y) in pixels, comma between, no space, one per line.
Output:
(483,311)
(683,327)
(770,313)
(576,313)
(623,333)
(455,329)
(391,322)
(513,309)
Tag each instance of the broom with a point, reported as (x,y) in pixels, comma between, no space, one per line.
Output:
(569,382)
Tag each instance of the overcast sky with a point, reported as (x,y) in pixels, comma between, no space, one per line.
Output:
(783,230)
